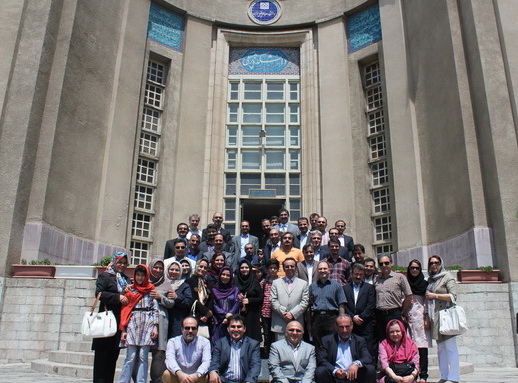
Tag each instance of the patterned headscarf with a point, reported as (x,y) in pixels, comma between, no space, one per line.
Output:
(122,279)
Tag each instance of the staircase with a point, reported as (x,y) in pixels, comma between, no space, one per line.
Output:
(78,358)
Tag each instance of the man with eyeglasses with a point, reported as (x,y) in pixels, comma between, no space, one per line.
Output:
(181,229)
(291,359)
(290,298)
(180,254)
(187,356)
(235,357)
(393,295)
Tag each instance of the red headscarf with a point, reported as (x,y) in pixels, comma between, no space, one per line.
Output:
(405,351)
(144,288)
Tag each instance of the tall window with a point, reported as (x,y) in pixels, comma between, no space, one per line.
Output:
(262,142)
(147,163)
(378,162)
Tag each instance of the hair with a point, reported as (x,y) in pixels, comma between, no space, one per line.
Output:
(314,215)
(194,215)
(219,253)
(307,246)
(327,263)
(211,226)
(236,318)
(140,269)
(274,217)
(245,221)
(284,210)
(203,260)
(359,247)
(190,317)
(385,255)
(215,235)
(182,224)
(436,257)
(196,235)
(334,228)
(303,219)
(289,259)
(333,240)
(250,244)
(272,261)
(358,266)
(178,240)
(315,232)
(287,233)
(341,316)
(265,219)
(369,259)
(340,220)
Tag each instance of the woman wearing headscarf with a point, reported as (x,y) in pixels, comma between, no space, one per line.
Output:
(418,320)
(441,292)
(216,264)
(139,325)
(224,303)
(252,299)
(173,305)
(398,355)
(111,284)
(200,289)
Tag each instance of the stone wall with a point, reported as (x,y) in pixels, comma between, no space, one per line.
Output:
(42,315)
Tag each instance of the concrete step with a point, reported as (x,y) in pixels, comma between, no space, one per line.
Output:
(85,346)
(465,368)
(74,370)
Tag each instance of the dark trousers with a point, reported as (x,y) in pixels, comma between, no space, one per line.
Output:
(267,334)
(322,325)
(366,374)
(382,319)
(105,361)
(157,366)
(423,363)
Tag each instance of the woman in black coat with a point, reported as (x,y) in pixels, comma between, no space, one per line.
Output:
(252,298)
(111,285)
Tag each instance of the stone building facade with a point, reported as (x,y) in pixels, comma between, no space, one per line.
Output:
(120,118)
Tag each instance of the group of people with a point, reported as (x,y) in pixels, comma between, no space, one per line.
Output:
(301,296)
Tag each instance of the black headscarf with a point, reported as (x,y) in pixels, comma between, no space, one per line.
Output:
(417,284)
(244,283)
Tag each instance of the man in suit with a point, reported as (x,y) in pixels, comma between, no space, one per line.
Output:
(239,241)
(219,246)
(345,240)
(236,357)
(265,225)
(284,226)
(290,298)
(291,359)
(273,243)
(361,305)
(181,229)
(303,237)
(352,364)
(325,251)
(217,220)
(307,270)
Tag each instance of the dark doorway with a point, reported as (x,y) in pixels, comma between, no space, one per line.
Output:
(254,210)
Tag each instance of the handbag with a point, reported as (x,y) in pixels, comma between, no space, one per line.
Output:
(400,369)
(203,330)
(98,325)
(452,321)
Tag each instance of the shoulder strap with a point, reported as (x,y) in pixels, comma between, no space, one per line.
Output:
(95,304)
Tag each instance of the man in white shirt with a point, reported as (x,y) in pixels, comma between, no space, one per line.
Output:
(194,221)
(187,356)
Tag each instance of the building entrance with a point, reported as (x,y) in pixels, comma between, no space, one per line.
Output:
(254,210)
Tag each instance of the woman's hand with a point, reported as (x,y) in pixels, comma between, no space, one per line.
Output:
(431,295)
(154,333)
(128,288)
(123,300)
(204,319)
(171,294)
(426,322)
(124,335)
(240,297)
(155,294)
(245,301)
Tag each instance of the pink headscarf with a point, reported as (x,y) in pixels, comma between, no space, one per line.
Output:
(402,353)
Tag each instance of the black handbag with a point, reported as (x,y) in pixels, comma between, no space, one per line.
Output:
(400,369)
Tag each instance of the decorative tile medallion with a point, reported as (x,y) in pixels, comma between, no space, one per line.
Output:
(165,27)
(363,28)
(264,12)
(265,61)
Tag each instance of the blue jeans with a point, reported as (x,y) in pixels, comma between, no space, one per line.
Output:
(141,354)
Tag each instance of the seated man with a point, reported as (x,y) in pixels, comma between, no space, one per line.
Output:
(236,357)
(291,359)
(187,357)
(344,357)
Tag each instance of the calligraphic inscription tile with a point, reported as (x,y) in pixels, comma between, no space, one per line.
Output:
(165,27)
(363,28)
(264,61)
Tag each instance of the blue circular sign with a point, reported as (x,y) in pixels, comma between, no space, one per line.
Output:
(264,12)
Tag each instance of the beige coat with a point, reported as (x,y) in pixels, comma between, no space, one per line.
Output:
(447,285)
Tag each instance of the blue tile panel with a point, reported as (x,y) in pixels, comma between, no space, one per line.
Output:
(166,27)
(363,28)
(264,61)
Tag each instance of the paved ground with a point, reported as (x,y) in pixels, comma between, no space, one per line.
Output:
(22,373)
